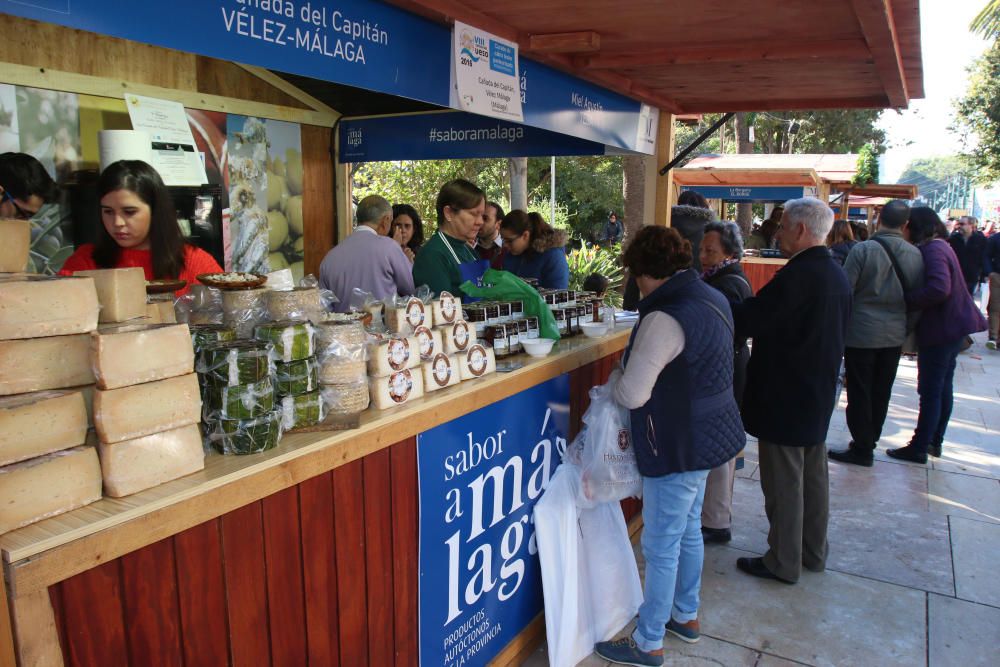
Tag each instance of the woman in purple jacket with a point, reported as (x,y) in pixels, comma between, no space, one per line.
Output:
(949,315)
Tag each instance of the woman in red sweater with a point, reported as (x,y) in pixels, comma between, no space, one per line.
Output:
(140,229)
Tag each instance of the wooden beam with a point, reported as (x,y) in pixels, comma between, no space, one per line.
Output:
(879,30)
(449,11)
(771,50)
(665,191)
(289,89)
(565,42)
(6,627)
(37,638)
(770,104)
(40,77)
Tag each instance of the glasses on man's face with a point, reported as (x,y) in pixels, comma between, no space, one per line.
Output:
(20,213)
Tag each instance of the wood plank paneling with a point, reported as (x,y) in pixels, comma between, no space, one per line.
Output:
(319,573)
(406,549)
(202,595)
(92,616)
(352,565)
(379,549)
(149,592)
(283,551)
(318,218)
(220,77)
(246,588)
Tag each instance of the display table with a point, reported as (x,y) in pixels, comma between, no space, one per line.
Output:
(307,553)
(760,270)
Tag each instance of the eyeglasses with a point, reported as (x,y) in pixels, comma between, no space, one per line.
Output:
(507,240)
(20,213)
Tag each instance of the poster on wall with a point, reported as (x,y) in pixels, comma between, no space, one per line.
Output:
(265,195)
(480,476)
(10,140)
(486,78)
(173,148)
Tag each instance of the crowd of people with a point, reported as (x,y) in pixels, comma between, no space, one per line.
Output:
(695,388)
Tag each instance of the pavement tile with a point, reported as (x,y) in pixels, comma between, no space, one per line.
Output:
(964,495)
(962,633)
(975,545)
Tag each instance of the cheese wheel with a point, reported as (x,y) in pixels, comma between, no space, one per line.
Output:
(293,304)
(336,370)
(477,361)
(440,372)
(48,485)
(40,423)
(457,337)
(396,389)
(39,306)
(134,354)
(392,355)
(406,318)
(144,409)
(121,292)
(138,464)
(446,309)
(36,364)
(16,235)
(429,342)
(345,399)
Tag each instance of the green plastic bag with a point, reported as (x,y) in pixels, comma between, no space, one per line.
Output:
(505,286)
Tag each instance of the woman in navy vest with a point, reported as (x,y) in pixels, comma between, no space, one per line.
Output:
(677,383)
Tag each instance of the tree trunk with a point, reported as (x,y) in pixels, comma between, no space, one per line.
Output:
(518,167)
(634,191)
(744,212)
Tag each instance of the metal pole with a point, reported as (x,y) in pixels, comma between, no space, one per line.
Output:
(697,142)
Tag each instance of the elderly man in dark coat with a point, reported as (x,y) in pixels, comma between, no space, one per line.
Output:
(798,323)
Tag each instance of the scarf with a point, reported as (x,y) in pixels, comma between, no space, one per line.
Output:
(708,273)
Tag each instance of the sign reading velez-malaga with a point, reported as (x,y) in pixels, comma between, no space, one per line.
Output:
(480,476)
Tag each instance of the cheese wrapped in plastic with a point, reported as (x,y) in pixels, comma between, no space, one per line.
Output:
(477,362)
(392,355)
(237,362)
(133,354)
(135,465)
(348,398)
(36,364)
(457,337)
(39,306)
(396,389)
(41,423)
(16,235)
(429,342)
(48,485)
(404,318)
(292,339)
(440,372)
(245,436)
(302,410)
(143,409)
(447,309)
(121,292)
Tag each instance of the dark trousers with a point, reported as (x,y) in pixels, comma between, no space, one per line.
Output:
(935,375)
(870,374)
(797,502)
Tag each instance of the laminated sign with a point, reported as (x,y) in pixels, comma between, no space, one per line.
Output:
(480,478)
(486,73)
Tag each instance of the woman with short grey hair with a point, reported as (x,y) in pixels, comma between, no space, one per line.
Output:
(721,250)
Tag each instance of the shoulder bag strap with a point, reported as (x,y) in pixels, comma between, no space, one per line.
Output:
(892,258)
(722,316)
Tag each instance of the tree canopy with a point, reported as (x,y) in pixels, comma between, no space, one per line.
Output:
(978,119)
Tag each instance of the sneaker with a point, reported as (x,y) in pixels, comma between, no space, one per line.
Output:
(717,535)
(991,345)
(687,632)
(625,651)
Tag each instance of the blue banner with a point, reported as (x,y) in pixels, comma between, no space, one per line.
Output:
(751,194)
(852,212)
(480,476)
(458,135)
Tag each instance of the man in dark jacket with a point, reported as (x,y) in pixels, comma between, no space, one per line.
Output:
(991,268)
(798,323)
(969,245)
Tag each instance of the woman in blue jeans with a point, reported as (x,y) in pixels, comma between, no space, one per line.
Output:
(949,315)
(677,383)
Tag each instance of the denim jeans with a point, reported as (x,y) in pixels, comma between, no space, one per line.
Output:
(674,551)
(935,374)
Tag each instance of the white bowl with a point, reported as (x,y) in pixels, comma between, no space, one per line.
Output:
(537,347)
(594,329)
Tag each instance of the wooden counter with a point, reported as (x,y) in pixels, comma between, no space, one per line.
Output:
(760,270)
(304,553)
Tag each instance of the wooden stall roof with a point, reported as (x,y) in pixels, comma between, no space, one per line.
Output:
(887,190)
(829,167)
(716,55)
(746,177)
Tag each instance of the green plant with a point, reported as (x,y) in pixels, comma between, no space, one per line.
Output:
(605,261)
(867,167)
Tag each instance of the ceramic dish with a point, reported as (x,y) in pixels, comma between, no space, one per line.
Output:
(232,280)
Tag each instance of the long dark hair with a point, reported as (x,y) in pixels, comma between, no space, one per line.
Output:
(165,239)
(922,225)
(417,239)
(519,221)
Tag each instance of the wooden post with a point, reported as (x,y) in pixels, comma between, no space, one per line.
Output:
(665,194)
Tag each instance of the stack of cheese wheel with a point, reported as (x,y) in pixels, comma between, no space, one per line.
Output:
(244,309)
(403,317)
(238,378)
(147,406)
(160,309)
(45,467)
(340,348)
(298,303)
(394,375)
(296,371)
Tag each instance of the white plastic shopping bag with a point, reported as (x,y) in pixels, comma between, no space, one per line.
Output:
(589,574)
(604,451)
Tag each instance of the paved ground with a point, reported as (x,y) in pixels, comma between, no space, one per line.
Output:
(912,576)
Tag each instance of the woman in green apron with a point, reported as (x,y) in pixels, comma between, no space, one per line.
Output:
(446,260)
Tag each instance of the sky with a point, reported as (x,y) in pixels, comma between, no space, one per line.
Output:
(948,48)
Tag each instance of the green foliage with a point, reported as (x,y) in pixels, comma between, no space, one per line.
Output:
(837,131)
(588,187)
(48,249)
(605,261)
(978,119)
(987,22)
(867,167)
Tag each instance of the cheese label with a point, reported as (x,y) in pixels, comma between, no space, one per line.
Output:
(441,370)
(400,385)
(398,353)
(460,332)
(426,341)
(448,307)
(477,360)
(414,312)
